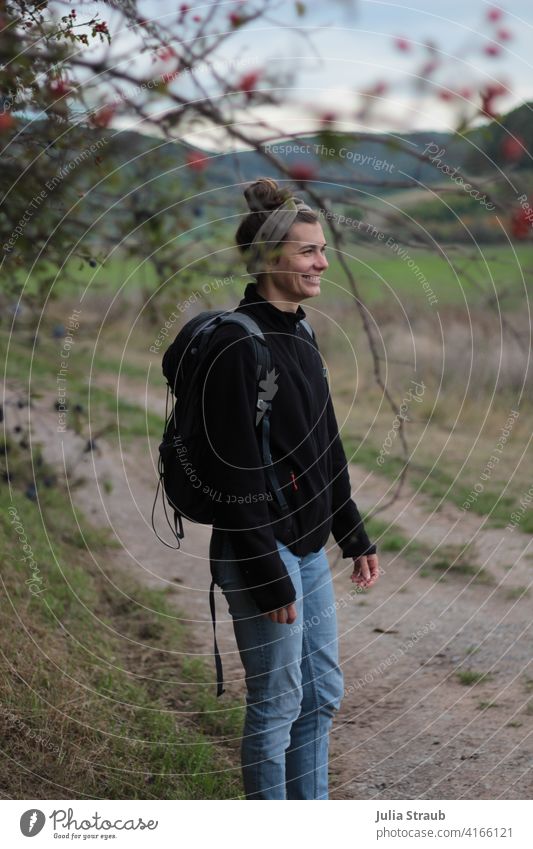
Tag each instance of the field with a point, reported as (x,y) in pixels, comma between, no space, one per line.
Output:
(458,276)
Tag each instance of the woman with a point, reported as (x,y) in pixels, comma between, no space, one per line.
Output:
(272,566)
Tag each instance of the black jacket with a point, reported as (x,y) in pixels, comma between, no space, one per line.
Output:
(306,450)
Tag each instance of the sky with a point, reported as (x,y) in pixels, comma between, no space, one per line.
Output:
(346,46)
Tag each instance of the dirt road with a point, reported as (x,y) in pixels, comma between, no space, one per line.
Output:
(408,727)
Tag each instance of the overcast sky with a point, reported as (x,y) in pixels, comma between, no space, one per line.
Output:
(353,48)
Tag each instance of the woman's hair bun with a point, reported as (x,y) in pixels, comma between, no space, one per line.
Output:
(265,194)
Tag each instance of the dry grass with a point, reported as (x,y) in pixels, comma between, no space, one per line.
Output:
(96,700)
(456,426)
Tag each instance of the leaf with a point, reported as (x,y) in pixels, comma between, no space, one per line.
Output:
(268,386)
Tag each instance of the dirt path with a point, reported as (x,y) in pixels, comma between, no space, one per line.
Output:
(408,728)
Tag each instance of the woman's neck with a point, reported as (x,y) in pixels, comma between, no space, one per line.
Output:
(269,292)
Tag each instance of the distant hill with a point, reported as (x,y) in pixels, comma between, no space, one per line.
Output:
(378,160)
(152,174)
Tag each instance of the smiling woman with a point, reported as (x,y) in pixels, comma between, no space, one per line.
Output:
(268,556)
(286,270)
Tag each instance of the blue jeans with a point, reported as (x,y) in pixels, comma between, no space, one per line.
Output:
(293,680)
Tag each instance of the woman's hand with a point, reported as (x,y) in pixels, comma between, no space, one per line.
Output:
(365,570)
(284,616)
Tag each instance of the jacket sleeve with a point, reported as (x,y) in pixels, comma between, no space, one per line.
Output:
(235,467)
(347,525)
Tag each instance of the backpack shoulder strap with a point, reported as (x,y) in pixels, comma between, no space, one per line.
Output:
(253,329)
(305,323)
(263,406)
(246,321)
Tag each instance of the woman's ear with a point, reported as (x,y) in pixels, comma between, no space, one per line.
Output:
(268,267)
(272,259)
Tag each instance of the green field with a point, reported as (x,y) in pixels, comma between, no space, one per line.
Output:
(456,276)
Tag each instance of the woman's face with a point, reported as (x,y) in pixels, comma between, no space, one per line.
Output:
(301,261)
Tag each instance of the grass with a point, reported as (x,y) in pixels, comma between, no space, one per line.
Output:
(470,676)
(112,413)
(377,269)
(99,697)
(514,593)
(445,561)
(390,538)
(121,416)
(446,482)
(379,272)
(456,560)
(453,560)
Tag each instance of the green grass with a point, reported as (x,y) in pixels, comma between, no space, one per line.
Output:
(455,206)
(444,561)
(107,413)
(99,697)
(120,416)
(377,269)
(437,484)
(455,560)
(117,273)
(470,676)
(210,718)
(514,593)
(379,272)
(390,538)
(525,524)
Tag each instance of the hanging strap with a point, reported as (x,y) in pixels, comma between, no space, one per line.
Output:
(218,660)
(267,456)
(264,364)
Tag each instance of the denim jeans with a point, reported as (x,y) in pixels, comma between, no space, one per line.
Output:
(293,680)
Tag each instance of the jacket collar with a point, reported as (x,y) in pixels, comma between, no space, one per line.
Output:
(266,310)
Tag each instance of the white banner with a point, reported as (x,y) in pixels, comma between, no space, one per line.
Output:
(361,824)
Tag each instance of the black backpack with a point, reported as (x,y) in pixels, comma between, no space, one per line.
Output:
(184,447)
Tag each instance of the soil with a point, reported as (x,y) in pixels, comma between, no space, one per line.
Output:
(408,727)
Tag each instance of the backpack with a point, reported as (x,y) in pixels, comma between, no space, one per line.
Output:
(184,446)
